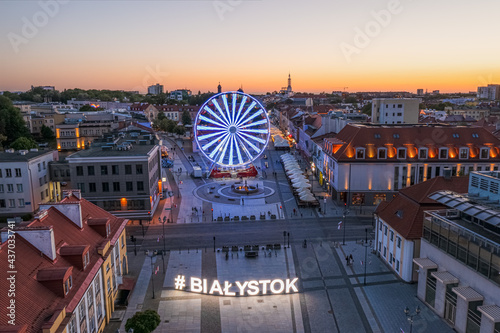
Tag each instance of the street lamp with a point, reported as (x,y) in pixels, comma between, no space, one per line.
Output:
(343,225)
(288,240)
(284,239)
(214,243)
(410,316)
(366,247)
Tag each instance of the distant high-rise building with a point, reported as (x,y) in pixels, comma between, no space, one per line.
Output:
(491,92)
(180,94)
(155,89)
(436,92)
(395,110)
(219,88)
(420,92)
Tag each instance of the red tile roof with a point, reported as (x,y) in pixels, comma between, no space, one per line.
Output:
(34,301)
(405,213)
(412,137)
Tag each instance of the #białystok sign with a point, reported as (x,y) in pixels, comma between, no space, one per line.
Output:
(251,288)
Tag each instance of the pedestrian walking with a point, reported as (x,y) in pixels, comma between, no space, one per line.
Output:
(351,260)
(347,260)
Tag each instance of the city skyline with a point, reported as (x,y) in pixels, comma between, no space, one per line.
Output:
(326,46)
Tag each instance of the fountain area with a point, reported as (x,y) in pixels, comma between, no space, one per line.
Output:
(245,189)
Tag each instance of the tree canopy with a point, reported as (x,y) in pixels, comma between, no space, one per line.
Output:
(23,143)
(186,118)
(143,321)
(12,124)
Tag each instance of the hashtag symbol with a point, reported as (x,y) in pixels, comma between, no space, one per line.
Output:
(11,266)
(180,282)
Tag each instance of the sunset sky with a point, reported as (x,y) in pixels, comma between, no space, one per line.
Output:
(128,45)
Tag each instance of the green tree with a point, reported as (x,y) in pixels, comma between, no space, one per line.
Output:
(170,126)
(180,130)
(12,124)
(143,322)
(161,116)
(367,109)
(23,143)
(47,133)
(186,118)
(2,139)
(351,99)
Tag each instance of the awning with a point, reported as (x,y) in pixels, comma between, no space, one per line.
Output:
(490,311)
(445,277)
(468,294)
(425,263)
(128,284)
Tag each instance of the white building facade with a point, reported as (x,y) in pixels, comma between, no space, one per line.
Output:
(395,110)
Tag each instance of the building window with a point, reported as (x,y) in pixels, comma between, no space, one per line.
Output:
(114,170)
(2,203)
(138,169)
(485,153)
(81,310)
(109,285)
(8,173)
(44,165)
(79,171)
(128,169)
(92,187)
(21,203)
(380,226)
(385,230)
(401,153)
(18,172)
(41,195)
(91,170)
(129,186)
(140,186)
(392,235)
(105,187)
(443,153)
(19,187)
(116,186)
(360,153)
(123,241)
(382,153)
(1,173)
(390,258)
(1,188)
(422,153)
(464,153)
(81,187)
(10,188)
(398,241)
(385,252)
(39,167)
(104,169)
(397,266)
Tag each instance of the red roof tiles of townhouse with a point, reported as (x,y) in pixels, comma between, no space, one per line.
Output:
(405,213)
(413,137)
(35,301)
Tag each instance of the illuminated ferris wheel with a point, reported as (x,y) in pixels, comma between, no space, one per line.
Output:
(232,129)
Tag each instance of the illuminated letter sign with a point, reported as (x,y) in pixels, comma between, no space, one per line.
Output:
(251,288)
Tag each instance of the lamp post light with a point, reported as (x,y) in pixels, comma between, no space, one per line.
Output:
(410,316)
(366,247)
(284,239)
(343,226)
(214,243)
(288,240)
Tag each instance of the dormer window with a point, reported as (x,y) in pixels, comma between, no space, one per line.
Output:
(360,153)
(401,153)
(464,153)
(68,284)
(395,136)
(422,153)
(443,153)
(86,259)
(485,153)
(382,153)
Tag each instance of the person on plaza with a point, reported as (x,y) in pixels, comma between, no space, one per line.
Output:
(351,260)
(347,260)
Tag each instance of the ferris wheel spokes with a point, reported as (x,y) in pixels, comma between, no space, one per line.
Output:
(209,110)
(246,112)
(255,138)
(258,113)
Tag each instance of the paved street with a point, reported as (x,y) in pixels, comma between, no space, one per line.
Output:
(332,297)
